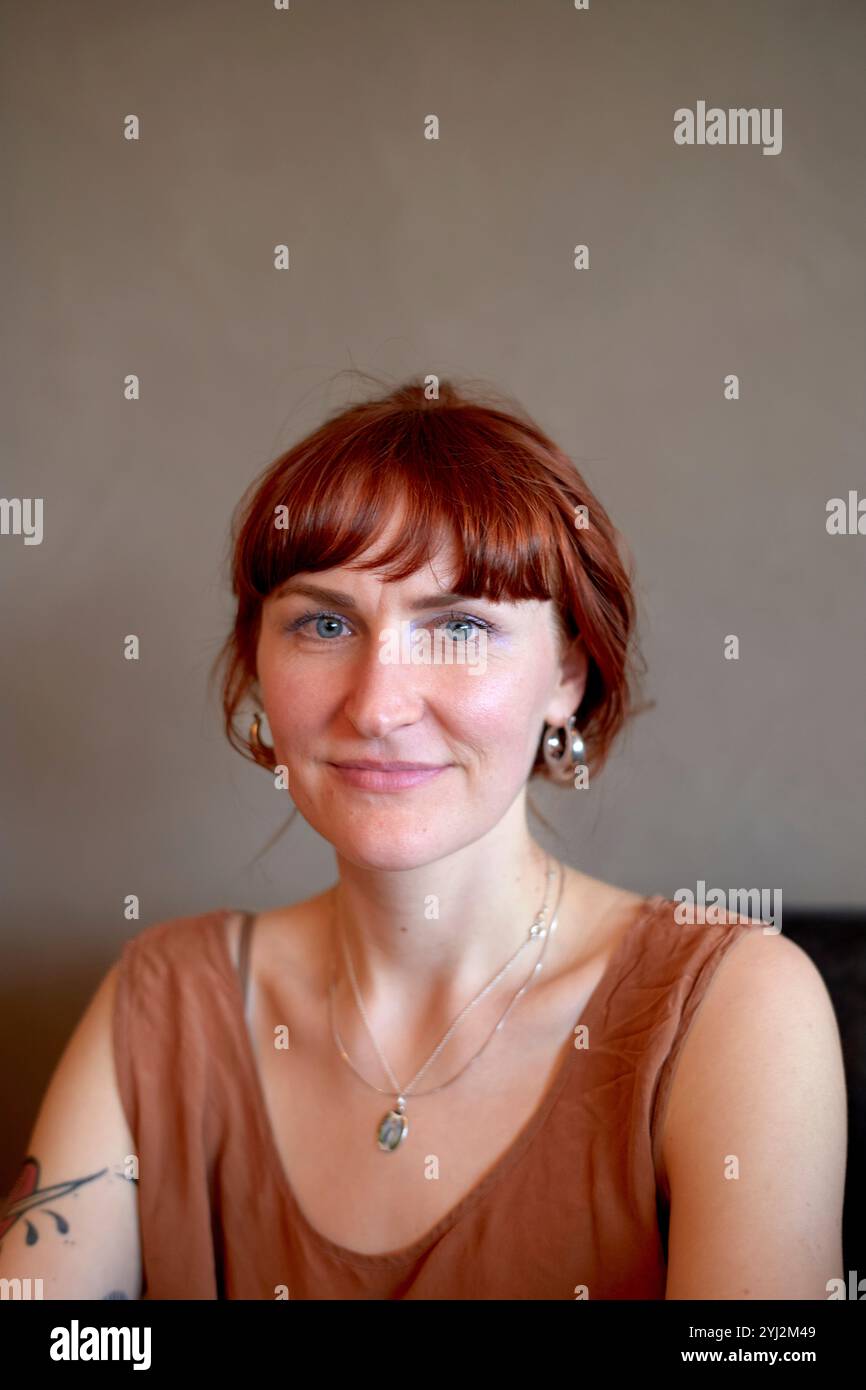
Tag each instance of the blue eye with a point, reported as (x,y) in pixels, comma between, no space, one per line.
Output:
(306,618)
(464,619)
(465,623)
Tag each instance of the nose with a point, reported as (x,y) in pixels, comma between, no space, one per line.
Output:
(384,693)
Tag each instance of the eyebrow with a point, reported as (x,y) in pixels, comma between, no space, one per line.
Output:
(341,600)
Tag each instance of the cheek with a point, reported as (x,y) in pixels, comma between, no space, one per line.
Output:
(293,704)
(286,697)
(497,706)
(492,695)
(496,712)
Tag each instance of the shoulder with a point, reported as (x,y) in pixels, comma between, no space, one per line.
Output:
(174,987)
(595,915)
(292,931)
(763,983)
(288,942)
(765,1003)
(172,941)
(757,1096)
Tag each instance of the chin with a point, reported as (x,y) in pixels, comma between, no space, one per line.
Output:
(368,850)
(379,840)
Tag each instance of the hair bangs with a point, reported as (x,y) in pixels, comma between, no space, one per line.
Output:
(491,530)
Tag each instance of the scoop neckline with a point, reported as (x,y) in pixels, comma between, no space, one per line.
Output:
(406,1254)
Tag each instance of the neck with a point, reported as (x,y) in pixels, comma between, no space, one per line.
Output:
(423,941)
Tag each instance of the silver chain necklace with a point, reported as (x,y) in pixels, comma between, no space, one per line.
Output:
(394,1126)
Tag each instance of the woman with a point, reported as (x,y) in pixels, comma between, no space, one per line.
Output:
(466,1070)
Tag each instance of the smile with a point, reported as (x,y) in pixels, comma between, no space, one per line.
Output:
(374,779)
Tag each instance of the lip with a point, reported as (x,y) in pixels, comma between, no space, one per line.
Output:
(387,776)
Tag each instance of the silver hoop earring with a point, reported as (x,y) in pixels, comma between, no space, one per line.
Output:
(564,749)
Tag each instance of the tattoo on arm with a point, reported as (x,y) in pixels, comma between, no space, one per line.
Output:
(27,1195)
(115,1293)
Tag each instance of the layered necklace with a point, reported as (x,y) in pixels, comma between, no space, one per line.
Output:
(394,1126)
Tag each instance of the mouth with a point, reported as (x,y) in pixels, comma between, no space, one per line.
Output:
(387,776)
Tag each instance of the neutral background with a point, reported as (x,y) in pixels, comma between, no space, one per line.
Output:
(455,256)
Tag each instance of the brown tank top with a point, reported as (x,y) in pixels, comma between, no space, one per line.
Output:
(577,1202)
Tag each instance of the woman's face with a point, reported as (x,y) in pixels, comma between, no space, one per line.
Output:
(335,692)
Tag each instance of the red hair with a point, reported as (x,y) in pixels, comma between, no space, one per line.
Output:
(464,468)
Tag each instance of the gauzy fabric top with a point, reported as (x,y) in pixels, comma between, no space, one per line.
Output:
(577,1205)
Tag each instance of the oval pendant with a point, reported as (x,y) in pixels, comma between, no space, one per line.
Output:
(392,1130)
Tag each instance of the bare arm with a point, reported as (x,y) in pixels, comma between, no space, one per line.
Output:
(73,1218)
(754,1143)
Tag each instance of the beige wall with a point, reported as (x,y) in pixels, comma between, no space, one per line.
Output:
(411,255)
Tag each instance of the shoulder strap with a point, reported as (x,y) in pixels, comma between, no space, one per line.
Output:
(244,952)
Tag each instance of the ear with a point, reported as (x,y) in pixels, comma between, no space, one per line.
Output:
(570,687)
